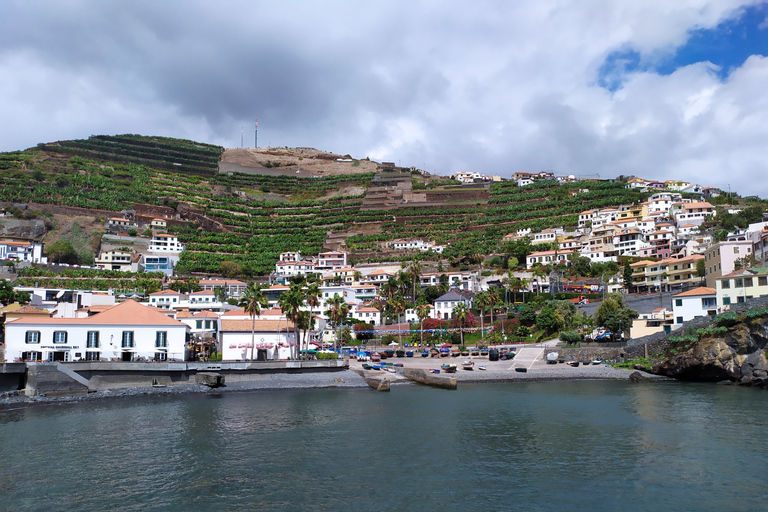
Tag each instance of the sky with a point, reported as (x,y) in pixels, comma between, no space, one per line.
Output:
(657,89)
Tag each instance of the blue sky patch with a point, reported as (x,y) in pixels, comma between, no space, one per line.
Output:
(727,46)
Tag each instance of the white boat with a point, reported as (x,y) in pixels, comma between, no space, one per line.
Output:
(552,358)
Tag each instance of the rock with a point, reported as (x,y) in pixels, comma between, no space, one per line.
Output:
(210,379)
(638,377)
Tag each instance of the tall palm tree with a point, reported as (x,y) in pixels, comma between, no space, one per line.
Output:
(252,301)
(290,303)
(337,311)
(460,313)
(398,306)
(493,301)
(481,299)
(422,311)
(538,272)
(416,271)
(312,295)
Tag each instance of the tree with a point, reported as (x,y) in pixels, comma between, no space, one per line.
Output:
(422,311)
(312,295)
(337,312)
(230,268)
(493,300)
(363,331)
(460,313)
(627,275)
(481,299)
(398,306)
(549,318)
(252,301)
(527,315)
(701,268)
(290,303)
(415,270)
(538,272)
(9,296)
(443,280)
(220,293)
(613,313)
(62,251)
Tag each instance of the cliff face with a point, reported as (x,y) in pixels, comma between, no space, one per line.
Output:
(738,355)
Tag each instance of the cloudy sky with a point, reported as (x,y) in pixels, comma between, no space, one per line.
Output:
(656,88)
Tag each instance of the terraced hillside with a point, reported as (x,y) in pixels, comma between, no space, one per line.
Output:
(264,215)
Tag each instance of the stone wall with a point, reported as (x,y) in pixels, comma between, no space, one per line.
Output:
(586,353)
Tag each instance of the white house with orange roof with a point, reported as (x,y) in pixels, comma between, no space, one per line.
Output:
(128,331)
(233,287)
(164,242)
(377,276)
(167,299)
(330,260)
(116,259)
(158,223)
(268,336)
(547,258)
(701,301)
(585,218)
(691,213)
(203,324)
(290,268)
(367,314)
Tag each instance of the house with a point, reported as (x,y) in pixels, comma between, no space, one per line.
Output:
(268,336)
(720,259)
(118,223)
(31,252)
(128,331)
(203,324)
(367,314)
(155,263)
(233,287)
(741,285)
(445,303)
(330,260)
(65,303)
(117,259)
(165,243)
(158,224)
(547,258)
(166,299)
(701,301)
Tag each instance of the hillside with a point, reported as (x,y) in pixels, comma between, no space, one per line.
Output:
(249,218)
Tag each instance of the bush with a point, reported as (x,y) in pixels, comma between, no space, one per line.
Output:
(728,319)
(570,337)
(327,355)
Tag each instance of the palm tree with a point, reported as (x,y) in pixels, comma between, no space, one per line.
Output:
(538,272)
(398,307)
(416,271)
(460,313)
(357,276)
(290,303)
(337,311)
(312,295)
(252,301)
(481,299)
(493,301)
(423,312)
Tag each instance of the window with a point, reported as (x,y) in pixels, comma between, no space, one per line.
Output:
(207,324)
(161,356)
(748,281)
(127,341)
(91,356)
(726,301)
(762,281)
(679,320)
(161,339)
(738,282)
(725,283)
(708,302)
(739,299)
(199,324)
(92,341)
(59,336)
(678,302)
(32,337)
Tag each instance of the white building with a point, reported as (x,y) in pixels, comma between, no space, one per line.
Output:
(269,336)
(31,252)
(701,301)
(444,304)
(165,243)
(125,332)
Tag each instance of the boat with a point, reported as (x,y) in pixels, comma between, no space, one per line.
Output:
(399,365)
(465,353)
(474,351)
(448,368)
(363,356)
(482,368)
(367,366)
(597,361)
(434,371)
(425,353)
(409,353)
(552,358)
(445,352)
(484,352)
(468,365)
(573,363)
(521,369)
(400,352)
(455,352)
(389,352)
(375,357)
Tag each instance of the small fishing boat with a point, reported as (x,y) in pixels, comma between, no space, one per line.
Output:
(400,352)
(465,353)
(399,365)
(434,371)
(445,352)
(389,352)
(448,368)
(484,352)
(367,366)
(409,353)
(597,361)
(425,353)
(455,352)
(375,357)
(474,351)
(468,365)
(573,363)
(552,358)
(521,369)
(482,368)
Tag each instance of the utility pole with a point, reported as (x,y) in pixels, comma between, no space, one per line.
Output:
(256,135)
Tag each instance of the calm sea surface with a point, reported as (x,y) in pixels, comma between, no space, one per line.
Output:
(523,446)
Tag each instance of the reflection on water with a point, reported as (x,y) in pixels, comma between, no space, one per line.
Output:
(537,446)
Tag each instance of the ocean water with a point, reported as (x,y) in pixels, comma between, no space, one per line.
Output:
(597,446)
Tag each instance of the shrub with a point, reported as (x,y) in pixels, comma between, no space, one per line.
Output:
(570,337)
(327,355)
(728,319)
